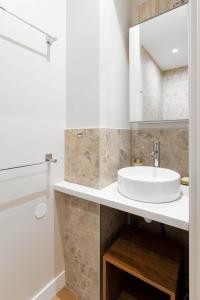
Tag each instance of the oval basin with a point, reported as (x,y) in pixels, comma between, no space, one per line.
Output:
(149,184)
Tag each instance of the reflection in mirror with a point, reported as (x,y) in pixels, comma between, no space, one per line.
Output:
(159,68)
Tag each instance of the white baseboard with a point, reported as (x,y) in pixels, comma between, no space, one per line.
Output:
(50,290)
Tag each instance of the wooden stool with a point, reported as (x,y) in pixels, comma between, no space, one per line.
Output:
(152,262)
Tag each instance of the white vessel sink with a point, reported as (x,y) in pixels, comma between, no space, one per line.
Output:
(149,184)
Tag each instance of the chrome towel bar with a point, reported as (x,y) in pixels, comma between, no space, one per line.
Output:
(49,38)
(48,159)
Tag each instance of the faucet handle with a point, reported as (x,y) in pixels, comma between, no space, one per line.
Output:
(154,155)
(156,146)
(156,142)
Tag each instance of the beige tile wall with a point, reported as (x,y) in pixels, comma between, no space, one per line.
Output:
(173,147)
(82,153)
(82,248)
(89,230)
(175,94)
(151,87)
(115,146)
(112,223)
(93,156)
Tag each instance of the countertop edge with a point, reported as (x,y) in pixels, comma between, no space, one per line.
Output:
(101,197)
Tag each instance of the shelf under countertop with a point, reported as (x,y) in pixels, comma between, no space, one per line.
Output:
(175,213)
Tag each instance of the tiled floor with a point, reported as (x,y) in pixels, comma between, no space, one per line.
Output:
(65,294)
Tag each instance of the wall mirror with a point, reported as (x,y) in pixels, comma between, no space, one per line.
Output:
(158,59)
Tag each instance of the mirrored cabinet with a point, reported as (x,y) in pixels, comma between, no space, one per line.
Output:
(158,59)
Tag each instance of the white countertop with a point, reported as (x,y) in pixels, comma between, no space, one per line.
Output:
(174,213)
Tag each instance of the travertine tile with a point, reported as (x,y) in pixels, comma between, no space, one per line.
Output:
(152,78)
(82,157)
(59,225)
(93,156)
(175,94)
(115,152)
(173,143)
(90,229)
(112,223)
(82,248)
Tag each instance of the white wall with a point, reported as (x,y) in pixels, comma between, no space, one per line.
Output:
(32,119)
(97,63)
(82,64)
(114,63)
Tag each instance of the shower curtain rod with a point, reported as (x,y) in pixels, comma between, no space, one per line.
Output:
(49,38)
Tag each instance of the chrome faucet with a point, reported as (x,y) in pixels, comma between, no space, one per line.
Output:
(156,153)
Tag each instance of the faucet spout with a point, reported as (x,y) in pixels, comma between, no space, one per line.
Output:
(156,153)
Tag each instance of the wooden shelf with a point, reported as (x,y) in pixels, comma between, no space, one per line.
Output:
(153,260)
(137,290)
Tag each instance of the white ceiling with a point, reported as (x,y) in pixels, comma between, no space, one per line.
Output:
(162,34)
